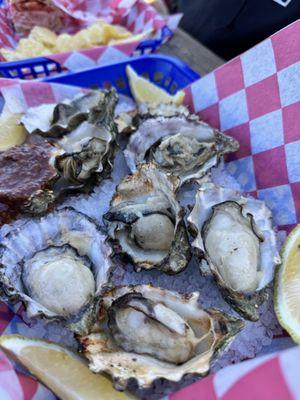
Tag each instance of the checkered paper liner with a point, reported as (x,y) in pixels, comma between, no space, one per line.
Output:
(272,377)
(256,99)
(135,15)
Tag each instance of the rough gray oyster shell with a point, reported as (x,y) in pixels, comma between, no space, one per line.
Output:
(56,120)
(147,110)
(177,143)
(57,266)
(237,244)
(146,221)
(83,132)
(148,333)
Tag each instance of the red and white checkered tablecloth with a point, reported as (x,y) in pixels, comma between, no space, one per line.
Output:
(135,15)
(255,98)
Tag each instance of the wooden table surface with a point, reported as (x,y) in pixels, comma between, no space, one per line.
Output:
(199,57)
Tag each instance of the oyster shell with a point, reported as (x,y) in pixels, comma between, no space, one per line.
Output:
(147,222)
(177,143)
(83,131)
(237,244)
(57,266)
(152,110)
(74,141)
(125,113)
(148,333)
(56,120)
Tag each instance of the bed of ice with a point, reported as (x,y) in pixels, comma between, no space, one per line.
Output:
(250,342)
(255,337)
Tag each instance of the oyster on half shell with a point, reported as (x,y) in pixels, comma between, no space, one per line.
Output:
(237,244)
(69,149)
(177,143)
(148,333)
(57,120)
(82,130)
(57,266)
(146,221)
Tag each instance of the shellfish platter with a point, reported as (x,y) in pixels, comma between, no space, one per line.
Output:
(79,34)
(145,241)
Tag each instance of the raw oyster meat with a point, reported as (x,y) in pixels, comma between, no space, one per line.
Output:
(146,221)
(237,244)
(177,142)
(83,131)
(148,333)
(57,266)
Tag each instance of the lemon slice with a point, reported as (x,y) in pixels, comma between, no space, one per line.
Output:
(144,91)
(287,287)
(11,134)
(63,371)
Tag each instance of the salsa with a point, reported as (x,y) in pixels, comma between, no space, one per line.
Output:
(24,170)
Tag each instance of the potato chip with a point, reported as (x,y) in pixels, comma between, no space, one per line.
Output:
(111,32)
(44,36)
(11,55)
(121,29)
(132,38)
(21,45)
(82,40)
(95,33)
(64,43)
(30,48)
(42,41)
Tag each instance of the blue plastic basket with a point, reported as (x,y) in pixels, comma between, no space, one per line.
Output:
(167,72)
(41,67)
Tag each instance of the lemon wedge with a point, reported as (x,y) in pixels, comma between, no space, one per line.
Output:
(287,287)
(63,371)
(11,134)
(144,91)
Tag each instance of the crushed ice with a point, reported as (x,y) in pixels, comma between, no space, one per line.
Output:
(251,341)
